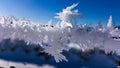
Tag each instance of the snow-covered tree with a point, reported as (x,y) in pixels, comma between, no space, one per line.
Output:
(2,20)
(111,23)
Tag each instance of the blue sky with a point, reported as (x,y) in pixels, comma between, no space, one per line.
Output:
(44,10)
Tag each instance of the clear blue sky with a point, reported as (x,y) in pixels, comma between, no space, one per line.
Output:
(44,10)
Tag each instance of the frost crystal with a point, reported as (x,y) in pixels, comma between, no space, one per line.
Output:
(54,40)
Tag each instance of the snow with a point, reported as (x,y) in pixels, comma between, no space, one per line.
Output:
(115,33)
(22,36)
(111,23)
(8,64)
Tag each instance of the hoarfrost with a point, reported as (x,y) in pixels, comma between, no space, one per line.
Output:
(54,40)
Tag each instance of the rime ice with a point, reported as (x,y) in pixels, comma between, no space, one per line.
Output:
(64,37)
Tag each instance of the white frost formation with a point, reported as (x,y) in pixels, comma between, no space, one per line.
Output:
(54,39)
(68,16)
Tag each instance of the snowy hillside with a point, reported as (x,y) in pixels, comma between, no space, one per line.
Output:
(25,44)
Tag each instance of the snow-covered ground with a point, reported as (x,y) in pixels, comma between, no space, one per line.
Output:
(25,44)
